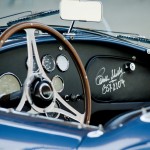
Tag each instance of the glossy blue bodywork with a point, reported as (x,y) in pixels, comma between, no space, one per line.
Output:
(132,135)
(34,132)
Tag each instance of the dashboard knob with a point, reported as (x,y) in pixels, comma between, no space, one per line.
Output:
(66,98)
(78,97)
(73,97)
(129,67)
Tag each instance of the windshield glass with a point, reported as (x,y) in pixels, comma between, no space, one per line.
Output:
(119,15)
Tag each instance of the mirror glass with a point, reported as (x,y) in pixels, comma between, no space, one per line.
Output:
(81,10)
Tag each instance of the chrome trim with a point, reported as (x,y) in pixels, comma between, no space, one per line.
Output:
(145,117)
(41,91)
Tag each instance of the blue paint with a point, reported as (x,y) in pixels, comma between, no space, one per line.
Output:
(31,134)
(132,134)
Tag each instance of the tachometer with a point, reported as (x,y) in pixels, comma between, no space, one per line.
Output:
(9,83)
(48,63)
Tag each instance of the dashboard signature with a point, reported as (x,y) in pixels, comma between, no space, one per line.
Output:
(112,82)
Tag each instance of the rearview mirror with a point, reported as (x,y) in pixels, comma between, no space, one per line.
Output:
(81,10)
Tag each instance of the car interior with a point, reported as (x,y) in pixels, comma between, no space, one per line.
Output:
(44,71)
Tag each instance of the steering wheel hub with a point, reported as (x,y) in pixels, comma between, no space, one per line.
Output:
(45,91)
(42,93)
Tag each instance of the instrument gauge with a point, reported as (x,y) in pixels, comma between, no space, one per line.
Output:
(9,83)
(62,62)
(48,63)
(58,83)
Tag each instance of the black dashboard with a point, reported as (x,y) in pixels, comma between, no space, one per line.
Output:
(119,73)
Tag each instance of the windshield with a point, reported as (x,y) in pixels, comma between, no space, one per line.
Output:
(118,16)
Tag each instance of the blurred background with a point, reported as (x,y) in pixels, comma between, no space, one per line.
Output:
(118,15)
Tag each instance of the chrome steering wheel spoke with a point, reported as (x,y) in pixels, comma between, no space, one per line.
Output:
(32,51)
(74,114)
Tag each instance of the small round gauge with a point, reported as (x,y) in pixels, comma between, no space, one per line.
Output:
(62,63)
(58,83)
(9,83)
(48,63)
(35,66)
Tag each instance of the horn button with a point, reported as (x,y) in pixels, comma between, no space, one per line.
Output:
(42,93)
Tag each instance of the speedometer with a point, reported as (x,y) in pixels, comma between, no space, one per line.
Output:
(9,83)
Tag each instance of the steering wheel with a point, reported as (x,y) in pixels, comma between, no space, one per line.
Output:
(44,87)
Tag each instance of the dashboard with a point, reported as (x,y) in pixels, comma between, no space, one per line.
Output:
(118,73)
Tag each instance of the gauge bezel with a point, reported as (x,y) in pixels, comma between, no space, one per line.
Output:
(58,65)
(57,76)
(43,65)
(10,73)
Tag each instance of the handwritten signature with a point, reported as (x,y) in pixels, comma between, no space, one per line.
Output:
(110,83)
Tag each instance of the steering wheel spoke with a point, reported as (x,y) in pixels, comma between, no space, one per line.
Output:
(32,111)
(78,117)
(73,113)
(33,51)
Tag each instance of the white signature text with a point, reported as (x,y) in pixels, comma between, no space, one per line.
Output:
(110,83)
